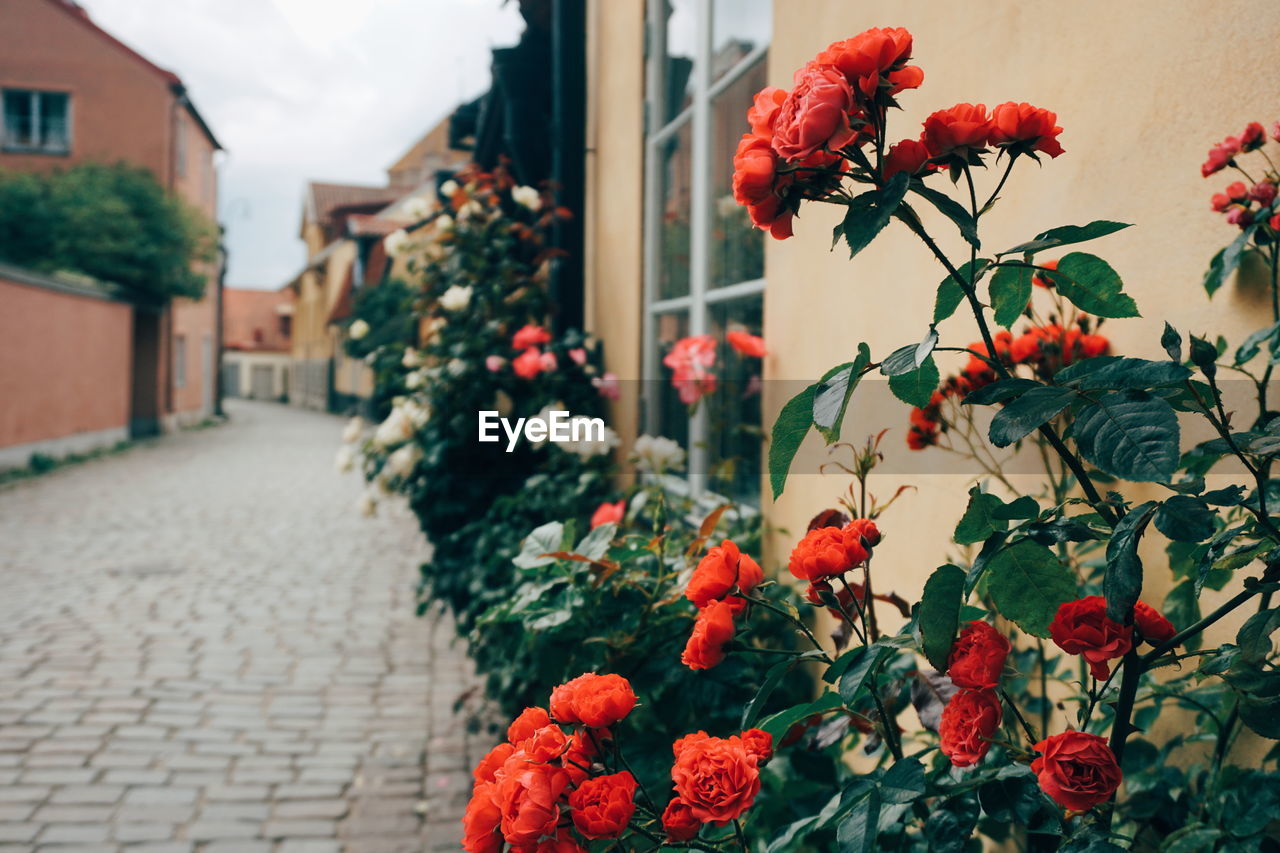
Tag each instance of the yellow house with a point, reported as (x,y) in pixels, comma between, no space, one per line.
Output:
(1142,90)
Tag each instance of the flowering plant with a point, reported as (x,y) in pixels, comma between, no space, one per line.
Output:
(1035,670)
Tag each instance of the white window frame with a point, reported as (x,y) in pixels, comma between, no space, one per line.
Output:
(35,96)
(701,295)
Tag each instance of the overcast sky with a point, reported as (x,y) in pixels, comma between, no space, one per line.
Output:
(300,90)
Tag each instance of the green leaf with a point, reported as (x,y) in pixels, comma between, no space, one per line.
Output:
(951,209)
(1172,342)
(950,294)
(980,563)
(980,520)
(1000,391)
(1115,373)
(870,212)
(1254,636)
(916,388)
(543,540)
(939,617)
(1225,263)
(776,673)
(903,782)
(1066,235)
(1183,518)
(789,431)
(831,400)
(1028,584)
(855,676)
(1130,434)
(1024,507)
(1010,293)
(1092,285)
(1250,346)
(1014,798)
(1192,838)
(596,543)
(780,723)
(1027,413)
(857,834)
(1122,583)
(901,360)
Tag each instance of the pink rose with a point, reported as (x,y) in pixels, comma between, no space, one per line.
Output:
(816,113)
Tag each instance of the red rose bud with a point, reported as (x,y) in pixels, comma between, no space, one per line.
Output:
(1220,201)
(1237,191)
(758,743)
(1077,770)
(678,821)
(1152,624)
(1253,137)
(968,722)
(910,156)
(711,633)
(1263,192)
(977,657)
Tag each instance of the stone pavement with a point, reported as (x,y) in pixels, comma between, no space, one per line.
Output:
(204,647)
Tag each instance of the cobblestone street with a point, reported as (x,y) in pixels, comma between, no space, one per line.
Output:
(204,647)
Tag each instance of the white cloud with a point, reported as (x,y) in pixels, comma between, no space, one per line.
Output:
(302,90)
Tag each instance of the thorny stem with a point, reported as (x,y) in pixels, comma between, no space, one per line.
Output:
(1026,727)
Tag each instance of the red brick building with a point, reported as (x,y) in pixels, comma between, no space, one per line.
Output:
(257,331)
(73,93)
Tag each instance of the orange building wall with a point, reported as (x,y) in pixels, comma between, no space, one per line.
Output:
(67,358)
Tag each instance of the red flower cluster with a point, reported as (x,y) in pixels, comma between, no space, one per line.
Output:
(972,716)
(714,588)
(828,552)
(522,787)
(1083,628)
(716,780)
(1237,202)
(691,360)
(1045,349)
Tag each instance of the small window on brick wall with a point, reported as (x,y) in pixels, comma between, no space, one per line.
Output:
(38,122)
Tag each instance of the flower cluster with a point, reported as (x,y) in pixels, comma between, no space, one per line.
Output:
(974,714)
(693,358)
(718,588)
(833,118)
(1083,628)
(1241,203)
(1044,348)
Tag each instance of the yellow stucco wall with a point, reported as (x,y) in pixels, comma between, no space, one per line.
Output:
(1142,89)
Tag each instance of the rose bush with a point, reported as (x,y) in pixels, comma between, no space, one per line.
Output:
(1018,699)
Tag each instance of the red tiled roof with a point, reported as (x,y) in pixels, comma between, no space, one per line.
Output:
(251,319)
(370,225)
(324,199)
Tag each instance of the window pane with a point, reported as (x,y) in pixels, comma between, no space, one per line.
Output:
(737,28)
(733,412)
(672,418)
(674,206)
(53,121)
(682,41)
(19,129)
(737,249)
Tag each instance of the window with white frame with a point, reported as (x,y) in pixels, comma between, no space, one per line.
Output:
(704,263)
(36,122)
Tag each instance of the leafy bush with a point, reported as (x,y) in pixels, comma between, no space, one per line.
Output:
(113,223)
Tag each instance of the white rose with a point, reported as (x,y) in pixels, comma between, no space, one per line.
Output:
(444,222)
(412,358)
(470,210)
(396,243)
(403,461)
(351,432)
(368,504)
(413,380)
(456,298)
(417,413)
(655,454)
(587,449)
(448,189)
(346,459)
(456,367)
(527,196)
(358,330)
(417,208)
(396,429)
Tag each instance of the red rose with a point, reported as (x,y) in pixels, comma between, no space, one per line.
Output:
(759,743)
(528,364)
(746,343)
(1023,129)
(530,336)
(712,630)
(871,55)
(723,568)
(1263,192)
(957,130)
(481,820)
(716,777)
(487,769)
(865,531)
(691,360)
(679,822)
(1077,770)
(603,806)
(563,842)
(1237,191)
(977,369)
(756,186)
(523,727)
(977,657)
(1219,202)
(529,796)
(827,552)
(1220,156)
(764,110)
(968,722)
(608,513)
(1154,627)
(910,156)
(597,701)
(815,115)
(1082,628)
(1274,222)
(1092,346)
(546,744)
(1253,138)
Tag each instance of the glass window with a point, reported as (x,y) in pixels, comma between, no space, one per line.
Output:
(37,121)
(704,269)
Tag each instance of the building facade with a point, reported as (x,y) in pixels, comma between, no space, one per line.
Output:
(257,332)
(666,257)
(72,93)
